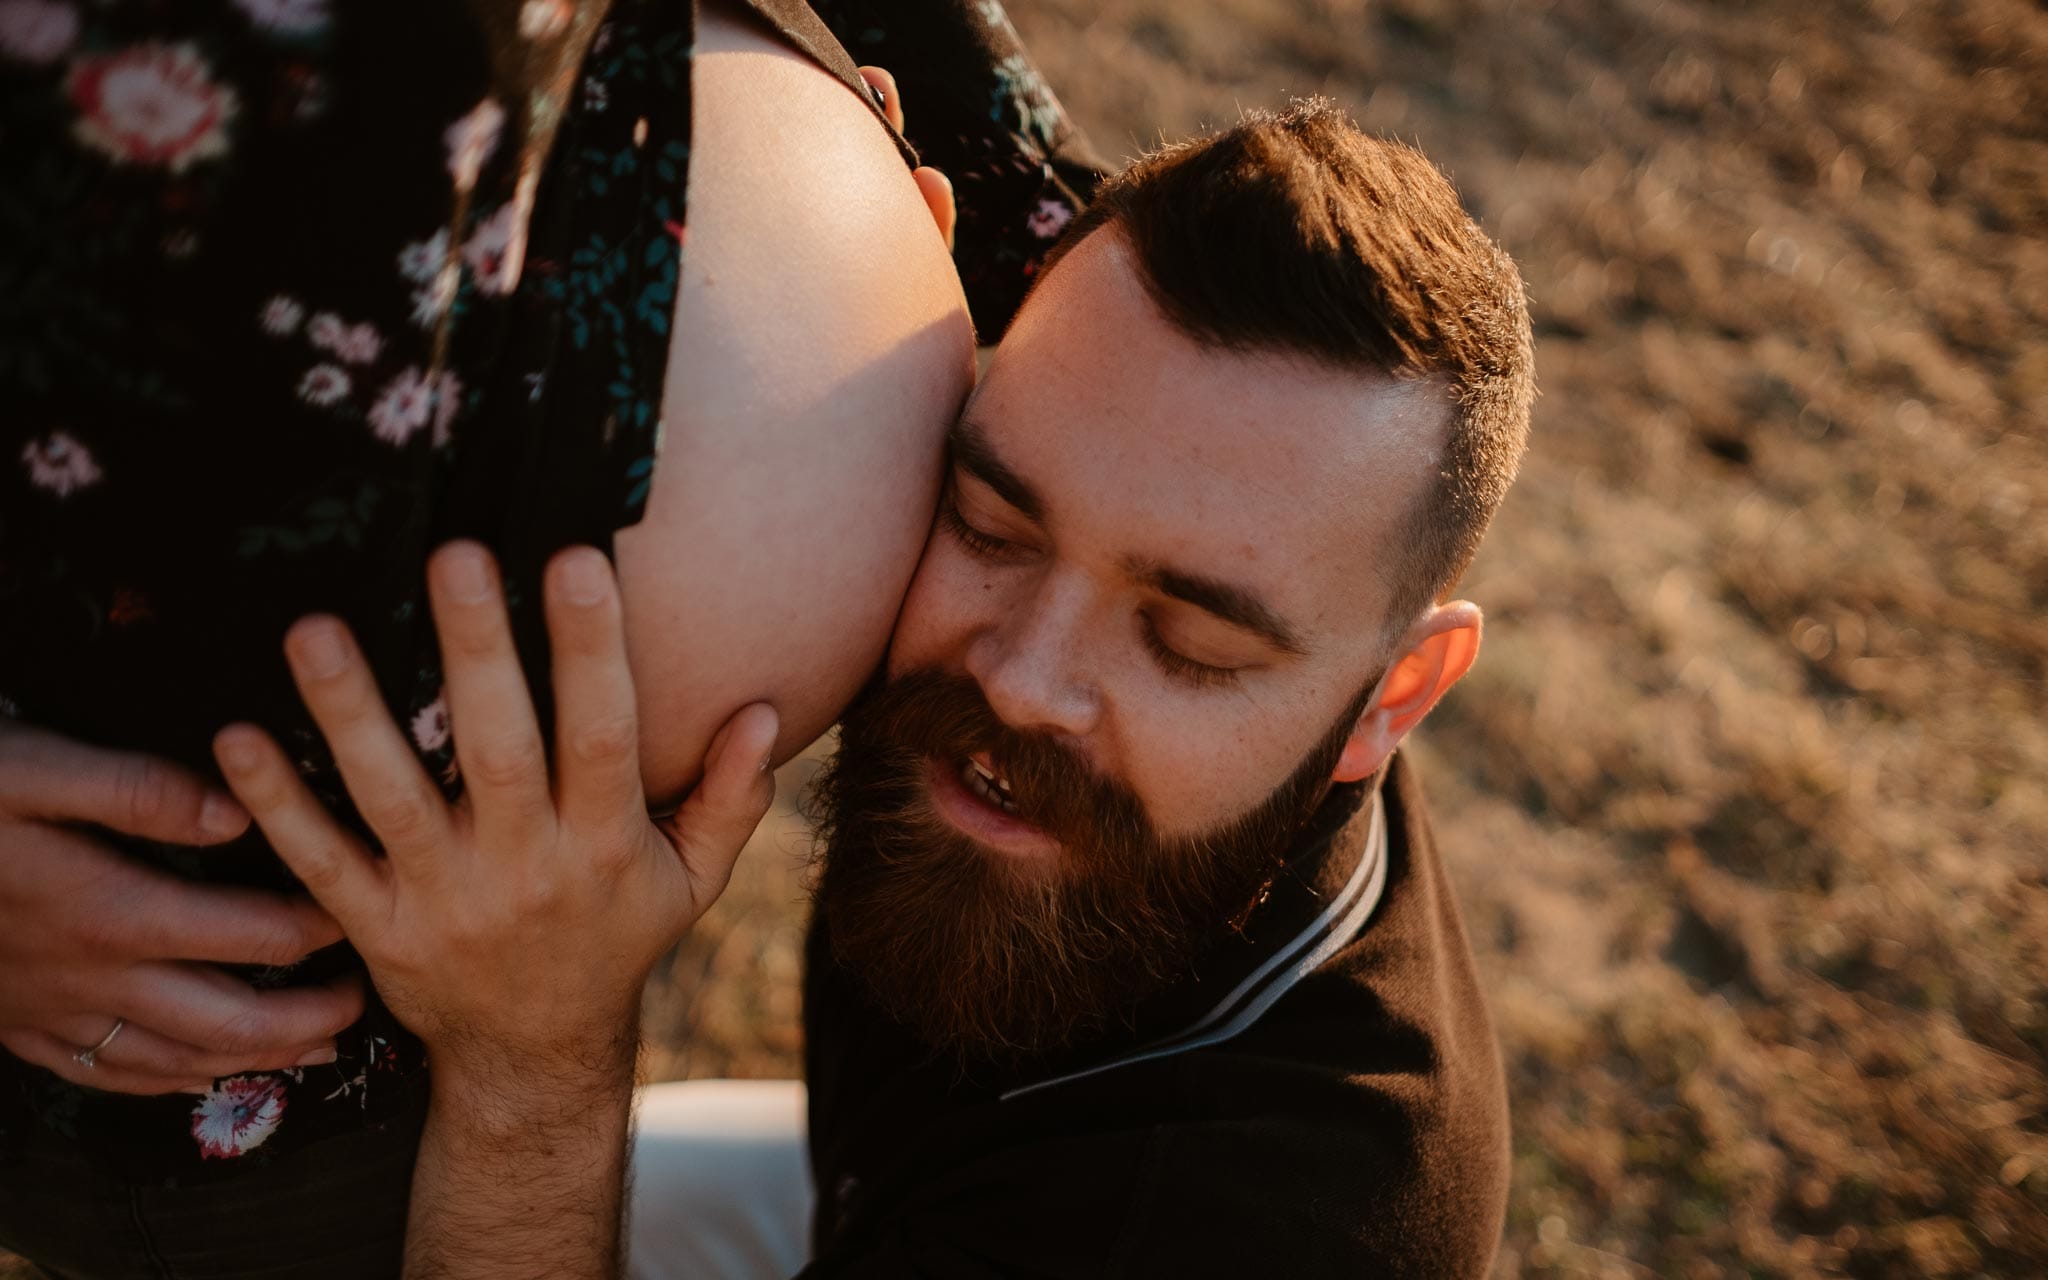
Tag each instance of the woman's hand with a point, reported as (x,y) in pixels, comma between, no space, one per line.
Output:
(92,940)
(934,186)
(512,930)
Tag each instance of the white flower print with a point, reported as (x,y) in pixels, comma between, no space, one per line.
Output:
(403,408)
(37,31)
(153,104)
(430,725)
(281,315)
(447,403)
(325,384)
(325,330)
(543,19)
(359,344)
(471,140)
(597,95)
(1049,218)
(422,260)
(237,1116)
(291,17)
(496,251)
(59,463)
(431,300)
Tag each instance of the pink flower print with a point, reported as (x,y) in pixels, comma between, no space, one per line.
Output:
(403,408)
(496,252)
(431,300)
(430,725)
(281,315)
(153,104)
(59,463)
(37,31)
(237,1115)
(325,330)
(471,140)
(1049,219)
(422,260)
(543,19)
(359,344)
(288,17)
(447,403)
(325,384)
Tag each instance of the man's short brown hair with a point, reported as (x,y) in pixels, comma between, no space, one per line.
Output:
(1298,232)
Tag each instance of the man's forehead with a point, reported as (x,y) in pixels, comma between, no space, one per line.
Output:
(1101,402)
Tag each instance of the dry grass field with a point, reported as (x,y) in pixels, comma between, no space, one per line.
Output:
(1746,797)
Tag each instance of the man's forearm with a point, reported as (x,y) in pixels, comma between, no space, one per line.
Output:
(522,1174)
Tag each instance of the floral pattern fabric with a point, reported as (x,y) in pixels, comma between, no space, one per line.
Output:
(292,291)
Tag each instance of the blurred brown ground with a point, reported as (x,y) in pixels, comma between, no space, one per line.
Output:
(1746,796)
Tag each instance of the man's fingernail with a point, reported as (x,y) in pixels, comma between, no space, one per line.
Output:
(583,578)
(318,1058)
(221,817)
(321,652)
(463,576)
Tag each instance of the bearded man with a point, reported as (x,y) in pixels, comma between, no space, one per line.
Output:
(1132,954)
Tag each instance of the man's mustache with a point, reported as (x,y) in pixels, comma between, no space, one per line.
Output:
(1053,786)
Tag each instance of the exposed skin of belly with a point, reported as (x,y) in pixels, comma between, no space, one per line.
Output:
(822,348)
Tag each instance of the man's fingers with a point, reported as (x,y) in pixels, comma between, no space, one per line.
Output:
(597,737)
(46,775)
(712,827)
(331,863)
(44,1050)
(384,777)
(883,85)
(497,738)
(141,1051)
(218,1014)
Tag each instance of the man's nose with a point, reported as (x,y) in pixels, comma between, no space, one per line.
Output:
(1026,663)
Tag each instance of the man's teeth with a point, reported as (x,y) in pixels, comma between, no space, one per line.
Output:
(987,785)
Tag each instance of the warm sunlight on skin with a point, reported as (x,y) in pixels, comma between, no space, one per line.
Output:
(1166,553)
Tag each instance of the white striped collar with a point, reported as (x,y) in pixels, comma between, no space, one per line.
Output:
(1323,937)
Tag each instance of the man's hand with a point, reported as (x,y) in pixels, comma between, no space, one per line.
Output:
(88,936)
(511,931)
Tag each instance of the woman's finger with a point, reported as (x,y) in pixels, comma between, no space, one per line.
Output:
(200,1006)
(140,1051)
(333,865)
(712,827)
(46,775)
(56,1057)
(937,190)
(497,738)
(597,737)
(392,791)
(884,86)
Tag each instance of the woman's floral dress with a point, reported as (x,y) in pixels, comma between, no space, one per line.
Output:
(291,291)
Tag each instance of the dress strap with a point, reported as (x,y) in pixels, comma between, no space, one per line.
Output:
(801,28)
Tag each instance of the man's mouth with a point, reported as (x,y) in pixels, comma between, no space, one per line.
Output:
(974,797)
(986,784)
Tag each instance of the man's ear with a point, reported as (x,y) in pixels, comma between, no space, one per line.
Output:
(1435,653)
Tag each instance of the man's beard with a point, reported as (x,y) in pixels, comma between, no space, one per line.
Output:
(996,960)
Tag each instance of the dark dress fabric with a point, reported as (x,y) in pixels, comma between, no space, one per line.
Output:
(291,291)
(1322,1098)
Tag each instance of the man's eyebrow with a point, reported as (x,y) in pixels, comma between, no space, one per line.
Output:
(971,453)
(1233,604)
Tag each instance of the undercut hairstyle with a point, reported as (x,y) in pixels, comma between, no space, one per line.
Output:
(1298,232)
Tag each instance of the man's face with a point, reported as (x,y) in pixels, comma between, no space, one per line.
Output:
(1138,639)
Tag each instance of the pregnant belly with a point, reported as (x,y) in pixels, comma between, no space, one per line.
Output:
(822,348)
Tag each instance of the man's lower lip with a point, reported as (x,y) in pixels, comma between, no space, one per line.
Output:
(981,821)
